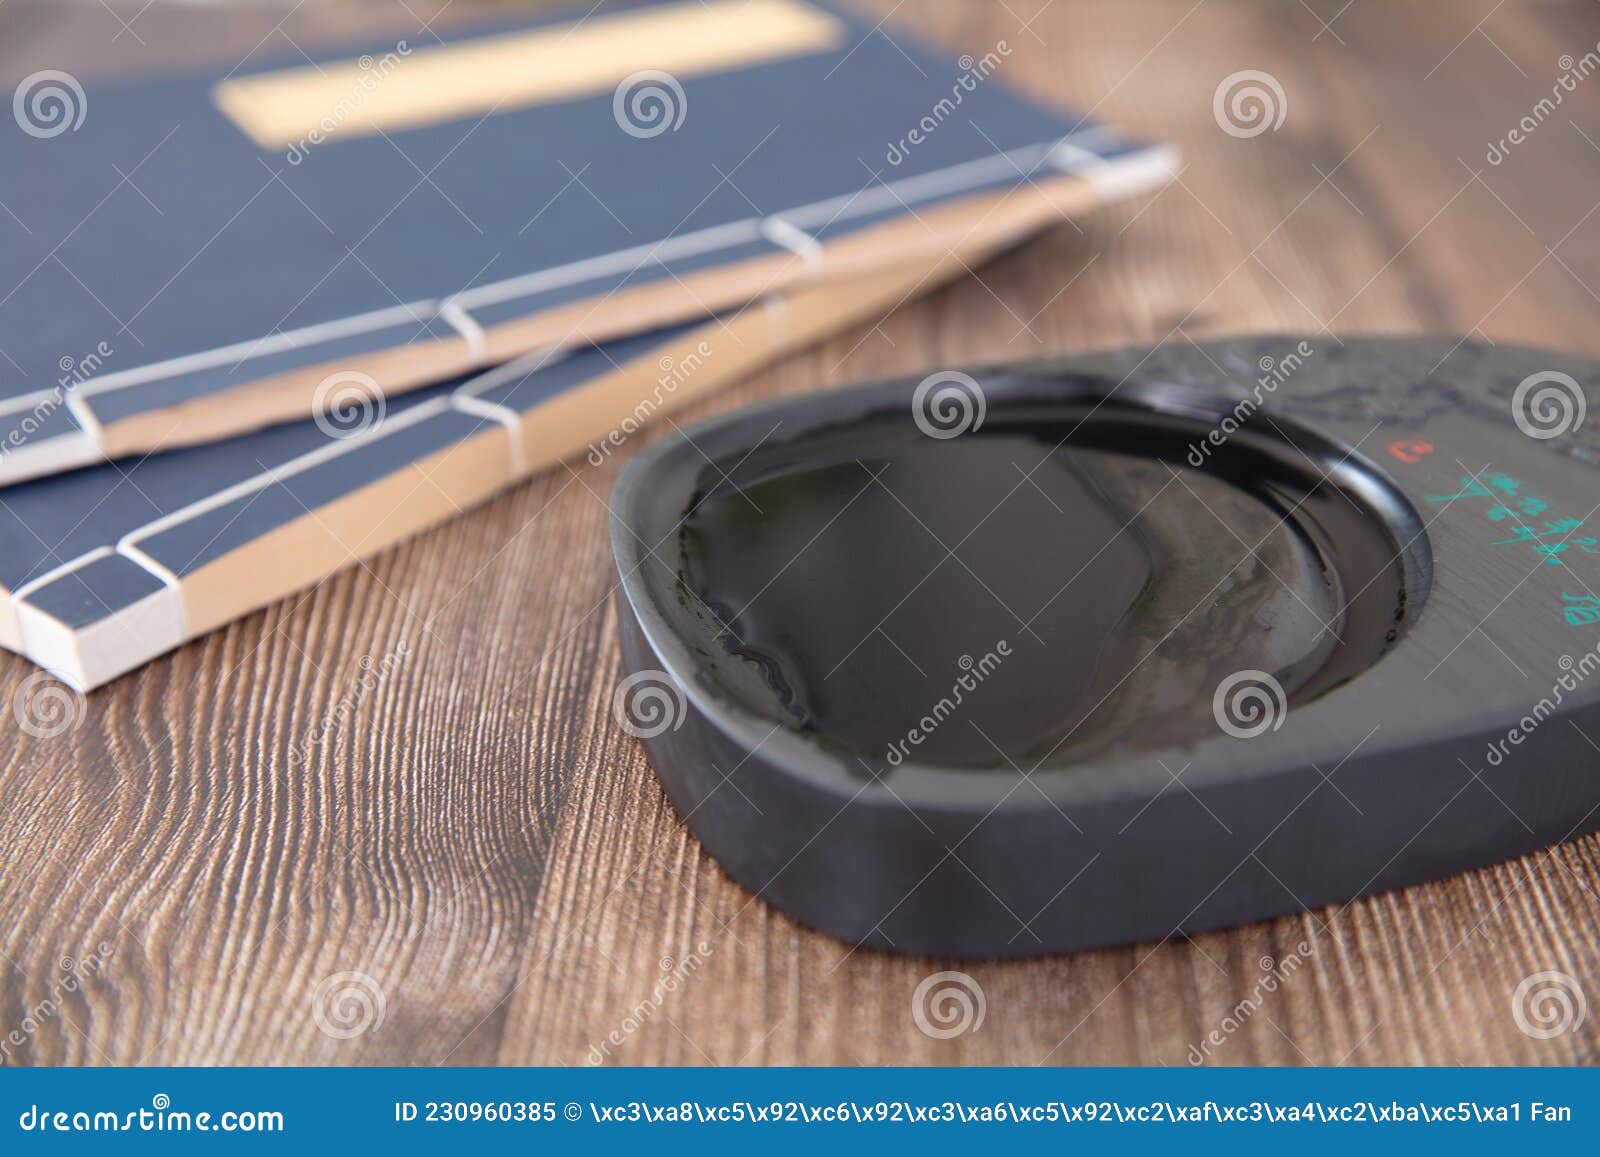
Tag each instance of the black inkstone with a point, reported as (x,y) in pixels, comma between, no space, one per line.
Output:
(1119,647)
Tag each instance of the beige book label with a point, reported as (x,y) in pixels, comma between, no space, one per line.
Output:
(416,86)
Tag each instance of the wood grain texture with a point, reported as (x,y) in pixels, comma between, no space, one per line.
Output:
(418,779)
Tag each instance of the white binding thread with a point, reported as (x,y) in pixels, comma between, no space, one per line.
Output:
(795,240)
(54,573)
(87,422)
(506,417)
(464,324)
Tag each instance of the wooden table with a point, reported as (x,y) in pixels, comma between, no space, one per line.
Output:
(471,833)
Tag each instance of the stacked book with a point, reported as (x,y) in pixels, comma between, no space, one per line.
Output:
(257,326)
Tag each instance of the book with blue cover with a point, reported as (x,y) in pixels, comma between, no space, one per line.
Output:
(199,252)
